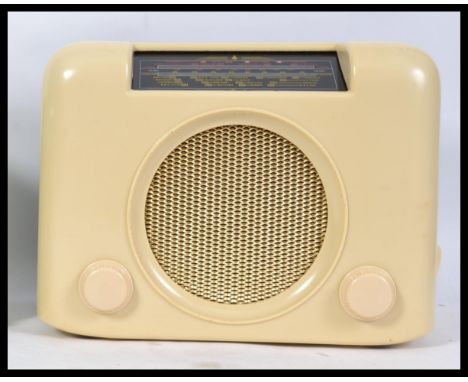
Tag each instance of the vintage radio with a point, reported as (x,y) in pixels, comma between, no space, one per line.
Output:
(240,192)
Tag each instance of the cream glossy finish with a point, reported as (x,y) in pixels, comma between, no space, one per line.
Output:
(368,293)
(375,148)
(106,286)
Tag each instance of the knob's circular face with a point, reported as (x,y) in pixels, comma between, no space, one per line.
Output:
(106,286)
(368,293)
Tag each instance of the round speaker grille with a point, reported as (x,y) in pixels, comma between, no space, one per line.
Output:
(236,214)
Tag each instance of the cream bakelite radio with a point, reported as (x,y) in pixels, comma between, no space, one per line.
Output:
(240,192)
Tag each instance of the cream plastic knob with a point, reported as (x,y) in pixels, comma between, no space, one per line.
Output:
(106,286)
(368,293)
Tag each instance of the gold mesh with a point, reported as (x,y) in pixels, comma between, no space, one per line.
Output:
(236,214)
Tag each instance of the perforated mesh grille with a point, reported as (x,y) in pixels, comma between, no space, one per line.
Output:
(236,214)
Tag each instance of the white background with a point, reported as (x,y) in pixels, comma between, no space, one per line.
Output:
(34,37)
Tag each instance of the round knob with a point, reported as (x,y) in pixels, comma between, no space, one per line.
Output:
(367,293)
(106,286)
